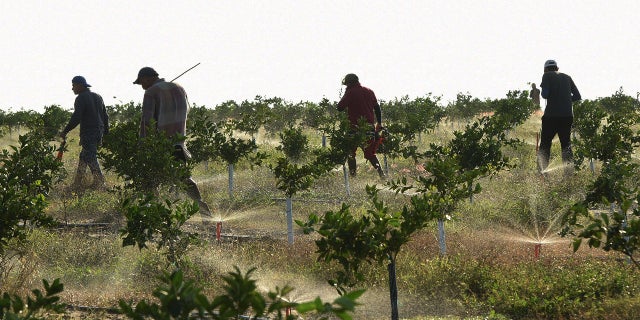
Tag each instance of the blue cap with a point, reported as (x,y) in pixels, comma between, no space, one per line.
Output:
(80,80)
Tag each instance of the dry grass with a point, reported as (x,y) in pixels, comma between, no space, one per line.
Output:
(498,229)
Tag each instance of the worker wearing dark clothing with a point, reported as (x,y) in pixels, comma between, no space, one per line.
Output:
(361,103)
(90,113)
(560,92)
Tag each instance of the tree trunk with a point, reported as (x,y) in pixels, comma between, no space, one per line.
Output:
(393,288)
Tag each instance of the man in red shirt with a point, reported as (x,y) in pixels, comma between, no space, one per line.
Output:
(361,103)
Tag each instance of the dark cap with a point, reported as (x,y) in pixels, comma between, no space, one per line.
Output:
(145,72)
(550,63)
(80,80)
(350,78)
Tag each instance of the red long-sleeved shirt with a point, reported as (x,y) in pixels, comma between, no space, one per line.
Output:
(360,102)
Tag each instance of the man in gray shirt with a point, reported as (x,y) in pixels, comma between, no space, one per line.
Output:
(560,92)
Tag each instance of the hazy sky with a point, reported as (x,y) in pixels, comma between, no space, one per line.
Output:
(300,50)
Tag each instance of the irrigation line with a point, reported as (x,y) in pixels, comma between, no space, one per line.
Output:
(66,225)
(109,310)
(114,311)
(310,200)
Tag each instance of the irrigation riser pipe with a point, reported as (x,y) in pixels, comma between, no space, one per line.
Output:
(346,179)
(441,237)
(289,211)
(230,169)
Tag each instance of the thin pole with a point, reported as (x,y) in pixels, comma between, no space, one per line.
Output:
(174,79)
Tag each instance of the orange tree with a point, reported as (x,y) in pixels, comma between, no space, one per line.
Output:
(27,174)
(452,171)
(182,299)
(615,191)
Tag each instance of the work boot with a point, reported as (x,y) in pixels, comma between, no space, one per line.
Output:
(381,173)
(351,162)
(542,161)
(567,161)
(376,164)
(204,208)
(98,182)
(98,178)
(194,193)
(77,184)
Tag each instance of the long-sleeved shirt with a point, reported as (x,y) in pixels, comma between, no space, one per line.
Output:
(360,102)
(90,113)
(560,91)
(167,104)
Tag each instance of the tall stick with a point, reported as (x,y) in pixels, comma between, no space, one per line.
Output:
(174,79)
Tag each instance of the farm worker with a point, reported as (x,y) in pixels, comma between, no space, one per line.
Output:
(560,92)
(361,103)
(534,94)
(167,104)
(90,113)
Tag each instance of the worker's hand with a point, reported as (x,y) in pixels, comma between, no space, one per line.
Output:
(63,135)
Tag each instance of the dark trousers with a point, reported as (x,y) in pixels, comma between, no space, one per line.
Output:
(192,188)
(550,127)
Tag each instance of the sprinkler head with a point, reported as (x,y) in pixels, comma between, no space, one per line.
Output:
(536,250)
(218,230)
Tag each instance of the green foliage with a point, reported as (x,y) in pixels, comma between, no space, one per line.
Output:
(294,143)
(613,143)
(617,229)
(180,299)
(226,111)
(27,173)
(405,119)
(419,115)
(146,163)
(587,121)
(465,107)
(149,219)
(319,115)
(620,103)
(50,122)
(253,115)
(343,137)
(204,135)
(603,136)
(283,115)
(13,307)
(379,235)
(293,178)
(549,291)
(375,237)
(124,112)
(210,140)
(20,118)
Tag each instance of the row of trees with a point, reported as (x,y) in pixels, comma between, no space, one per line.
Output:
(608,217)
(453,170)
